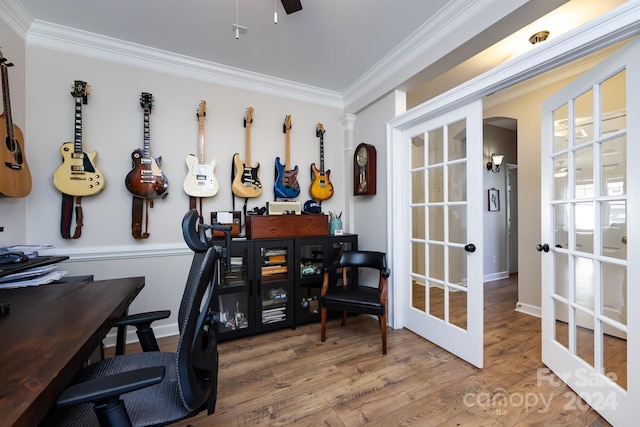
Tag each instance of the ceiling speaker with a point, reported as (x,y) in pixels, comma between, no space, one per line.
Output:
(291,6)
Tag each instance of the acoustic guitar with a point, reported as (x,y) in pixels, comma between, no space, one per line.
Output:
(78,175)
(200,180)
(286,185)
(15,178)
(321,187)
(246,182)
(146,180)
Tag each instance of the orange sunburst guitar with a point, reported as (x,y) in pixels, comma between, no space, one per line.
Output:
(15,178)
(286,185)
(246,182)
(146,180)
(78,175)
(321,187)
(200,180)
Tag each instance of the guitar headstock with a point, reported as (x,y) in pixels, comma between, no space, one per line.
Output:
(319,129)
(146,101)
(248,118)
(4,62)
(286,126)
(80,89)
(202,109)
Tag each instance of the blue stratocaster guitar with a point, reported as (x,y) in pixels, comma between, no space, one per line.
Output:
(286,185)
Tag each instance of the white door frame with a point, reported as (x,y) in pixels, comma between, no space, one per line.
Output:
(604,31)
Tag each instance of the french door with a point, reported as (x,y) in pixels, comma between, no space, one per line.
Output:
(590,211)
(443,176)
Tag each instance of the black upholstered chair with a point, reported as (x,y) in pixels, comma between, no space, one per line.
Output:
(156,388)
(343,291)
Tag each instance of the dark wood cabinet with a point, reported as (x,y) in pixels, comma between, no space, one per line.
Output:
(274,283)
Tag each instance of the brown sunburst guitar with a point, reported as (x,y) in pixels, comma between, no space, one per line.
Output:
(78,175)
(15,178)
(146,180)
(321,187)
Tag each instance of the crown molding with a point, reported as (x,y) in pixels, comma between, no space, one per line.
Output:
(615,26)
(66,39)
(16,17)
(452,26)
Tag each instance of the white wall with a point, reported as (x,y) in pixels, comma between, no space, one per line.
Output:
(370,212)
(526,110)
(113,125)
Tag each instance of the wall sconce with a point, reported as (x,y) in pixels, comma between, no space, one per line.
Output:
(494,164)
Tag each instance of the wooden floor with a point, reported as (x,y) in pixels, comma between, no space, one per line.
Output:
(289,377)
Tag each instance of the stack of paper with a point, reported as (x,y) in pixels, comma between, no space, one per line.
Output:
(33,277)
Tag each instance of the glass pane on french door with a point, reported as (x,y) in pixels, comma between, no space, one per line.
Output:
(439,206)
(589,219)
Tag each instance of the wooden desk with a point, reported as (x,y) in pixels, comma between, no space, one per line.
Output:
(49,334)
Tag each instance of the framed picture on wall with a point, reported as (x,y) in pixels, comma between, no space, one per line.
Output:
(493,199)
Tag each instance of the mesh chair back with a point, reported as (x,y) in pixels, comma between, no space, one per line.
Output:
(197,356)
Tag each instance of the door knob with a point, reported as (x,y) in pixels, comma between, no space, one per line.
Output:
(470,247)
(624,239)
(542,248)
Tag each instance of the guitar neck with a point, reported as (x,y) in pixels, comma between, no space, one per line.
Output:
(146,135)
(322,153)
(6,99)
(201,159)
(287,161)
(247,143)
(77,145)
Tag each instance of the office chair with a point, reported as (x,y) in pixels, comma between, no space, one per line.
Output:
(350,296)
(156,388)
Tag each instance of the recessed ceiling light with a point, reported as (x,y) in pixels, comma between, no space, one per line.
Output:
(538,37)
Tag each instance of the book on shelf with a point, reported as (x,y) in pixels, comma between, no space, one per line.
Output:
(274,269)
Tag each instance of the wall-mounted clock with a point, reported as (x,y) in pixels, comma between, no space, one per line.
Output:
(364,170)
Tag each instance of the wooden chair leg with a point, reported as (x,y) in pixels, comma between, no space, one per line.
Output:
(323,324)
(344,318)
(383,331)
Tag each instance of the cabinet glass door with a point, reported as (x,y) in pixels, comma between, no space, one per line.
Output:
(310,262)
(234,292)
(274,270)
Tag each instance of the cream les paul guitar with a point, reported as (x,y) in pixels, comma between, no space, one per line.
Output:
(78,175)
(200,180)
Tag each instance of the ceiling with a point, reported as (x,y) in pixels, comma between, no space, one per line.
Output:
(329,44)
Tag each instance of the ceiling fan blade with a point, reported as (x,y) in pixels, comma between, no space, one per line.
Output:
(291,6)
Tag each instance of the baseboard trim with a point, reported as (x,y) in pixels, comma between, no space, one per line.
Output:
(495,276)
(531,310)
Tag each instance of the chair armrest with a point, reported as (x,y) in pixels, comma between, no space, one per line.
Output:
(142,322)
(101,389)
(142,318)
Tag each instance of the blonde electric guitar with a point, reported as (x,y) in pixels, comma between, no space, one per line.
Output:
(246,182)
(200,180)
(78,175)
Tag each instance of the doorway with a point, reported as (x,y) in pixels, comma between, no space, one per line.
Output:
(591,37)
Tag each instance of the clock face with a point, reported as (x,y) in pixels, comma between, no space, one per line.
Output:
(361,156)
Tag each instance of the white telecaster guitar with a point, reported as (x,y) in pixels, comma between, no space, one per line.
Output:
(200,180)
